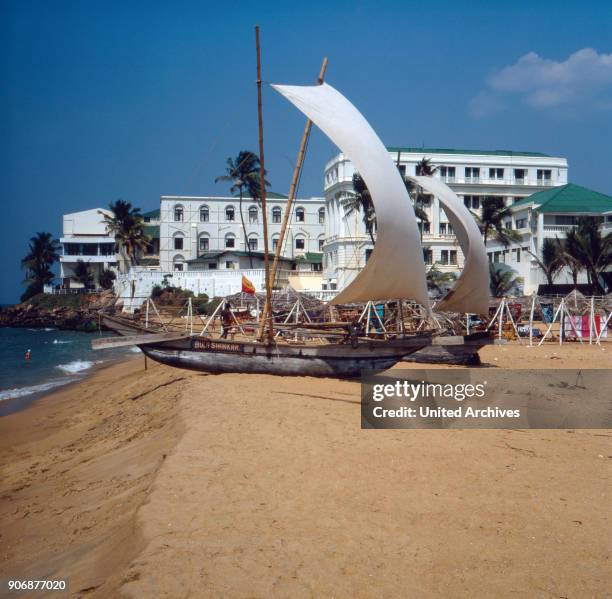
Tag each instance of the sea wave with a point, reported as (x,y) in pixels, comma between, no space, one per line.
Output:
(22,391)
(56,341)
(76,366)
(46,329)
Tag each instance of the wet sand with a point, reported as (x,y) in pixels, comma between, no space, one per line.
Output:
(168,483)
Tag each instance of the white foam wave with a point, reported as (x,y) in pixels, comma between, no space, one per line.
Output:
(76,366)
(58,341)
(135,349)
(22,391)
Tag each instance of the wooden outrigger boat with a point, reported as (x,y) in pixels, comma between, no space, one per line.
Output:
(395,269)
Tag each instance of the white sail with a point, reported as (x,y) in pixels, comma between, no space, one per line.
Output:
(396,268)
(471,290)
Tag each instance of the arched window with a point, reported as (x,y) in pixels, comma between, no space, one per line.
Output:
(300,243)
(253,214)
(321,216)
(321,241)
(276,214)
(230,241)
(178,214)
(178,262)
(178,242)
(204,214)
(300,216)
(230,214)
(203,243)
(253,243)
(274,243)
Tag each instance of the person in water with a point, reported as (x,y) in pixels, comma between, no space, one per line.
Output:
(226,320)
(27,355)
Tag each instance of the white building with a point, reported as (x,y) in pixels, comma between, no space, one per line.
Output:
(472,174)
(199,233)
(84,237)
(548,214)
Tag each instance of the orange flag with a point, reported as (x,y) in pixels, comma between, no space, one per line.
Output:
(247,286)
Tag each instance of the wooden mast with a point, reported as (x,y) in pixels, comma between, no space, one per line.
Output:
(292,190)
(262,180)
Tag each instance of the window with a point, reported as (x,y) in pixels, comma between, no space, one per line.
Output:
(508,224)
(424,227)
(521,223)
(444,257)
(520,174)
(427,256)
(178,243)
(212,266)
(316,267)
(178,267)
(321,243)
(299,243)
(230,214)
(253,244)
(516,255)
(447,173)
(472,202)
(229,264)
(229,242)
(299,215)
(496,173)
(253,214)
(274,244)
(333,286)
(203,244)
(321,216)
(204,215)
(472,173)
(402,169)
(544,176)
(276,214)
(453,257)
(443,228)
(178,214)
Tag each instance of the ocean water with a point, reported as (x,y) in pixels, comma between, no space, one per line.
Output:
(56,358)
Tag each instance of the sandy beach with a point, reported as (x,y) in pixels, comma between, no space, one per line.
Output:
(168,483)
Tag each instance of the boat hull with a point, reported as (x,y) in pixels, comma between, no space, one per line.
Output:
(459,350)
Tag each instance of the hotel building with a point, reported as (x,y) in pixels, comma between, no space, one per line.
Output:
(472,174)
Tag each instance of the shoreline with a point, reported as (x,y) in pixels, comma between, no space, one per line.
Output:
(167,482)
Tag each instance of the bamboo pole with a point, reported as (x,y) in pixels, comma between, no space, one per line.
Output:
(292,189)
(262,180)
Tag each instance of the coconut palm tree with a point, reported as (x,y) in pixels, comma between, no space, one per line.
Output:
(417,193)
(592,249)
(243,172)
(569,252)
(43,253)
(82,274)
(439,281)
(551,261)
(502,279)
(360,200)
(424,168)
(491,221)
(127,225)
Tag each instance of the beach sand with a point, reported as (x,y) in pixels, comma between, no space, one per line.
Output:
(168,483)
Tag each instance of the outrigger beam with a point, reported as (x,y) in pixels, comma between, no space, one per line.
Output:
(112,342)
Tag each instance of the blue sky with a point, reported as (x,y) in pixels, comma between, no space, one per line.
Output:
(106,100)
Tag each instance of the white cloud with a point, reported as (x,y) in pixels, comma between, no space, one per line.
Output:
(584,79)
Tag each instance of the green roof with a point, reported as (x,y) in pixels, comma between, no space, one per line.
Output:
(151,214)
(568,198)
(474,152)
(151,231)
(316,257)
(212,255)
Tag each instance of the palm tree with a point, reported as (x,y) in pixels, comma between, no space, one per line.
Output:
(43,253)
(243,172)
(491,222)
(106,278)
(551,261)
(424,168)
(569,252)
(417,193)
(438,280)
(126,224)
(82,274)
(360,200)
(592,249)
(502,279)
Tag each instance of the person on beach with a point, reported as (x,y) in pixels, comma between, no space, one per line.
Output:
(226,320)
